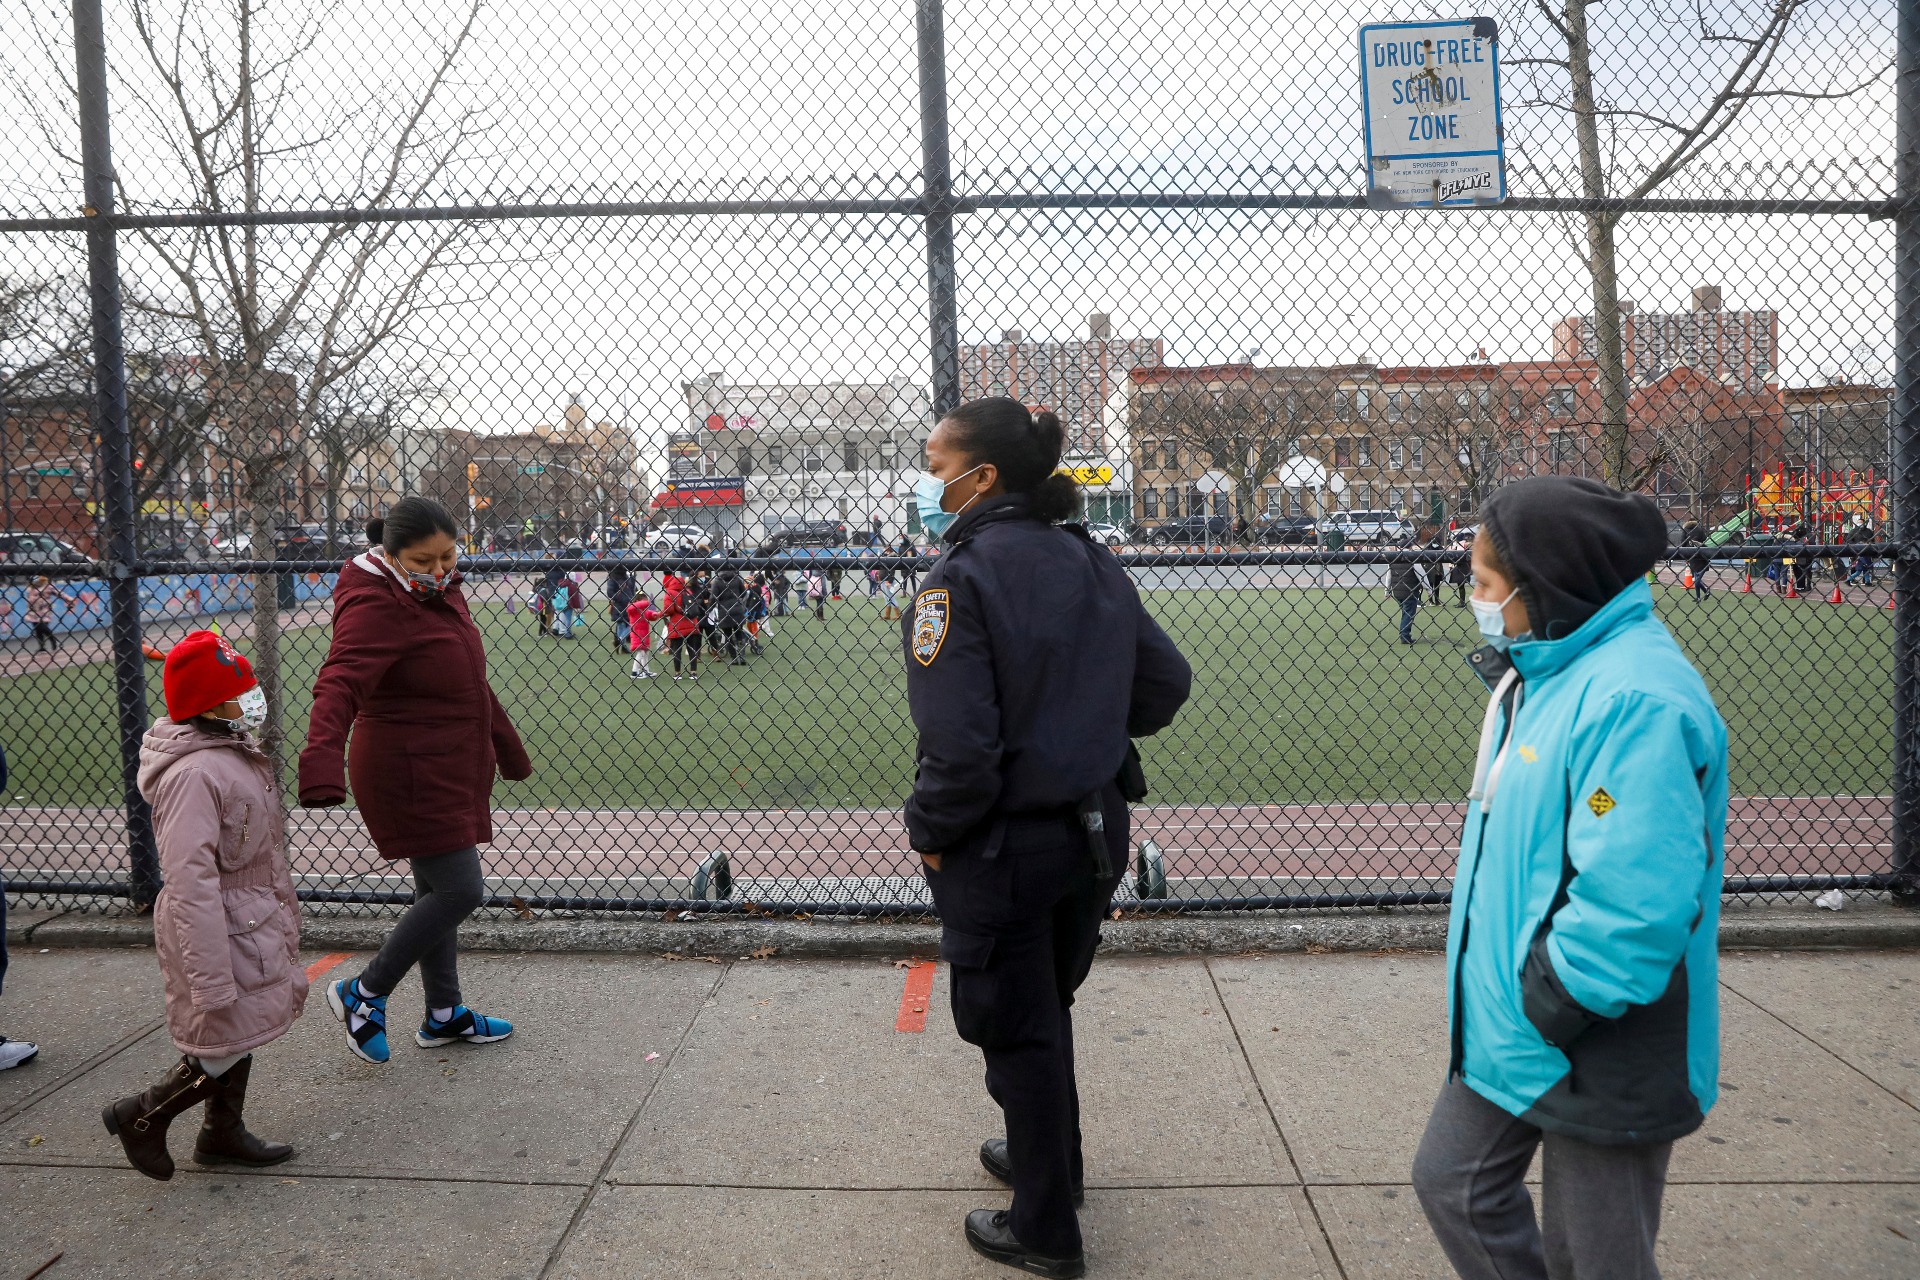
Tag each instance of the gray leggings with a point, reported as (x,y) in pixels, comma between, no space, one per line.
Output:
(447,889)
(1600,1204)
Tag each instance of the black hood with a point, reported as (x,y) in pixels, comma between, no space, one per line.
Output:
(1572,546)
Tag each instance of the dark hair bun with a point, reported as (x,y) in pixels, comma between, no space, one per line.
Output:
(376,531)
(1050,435)
(1025,446)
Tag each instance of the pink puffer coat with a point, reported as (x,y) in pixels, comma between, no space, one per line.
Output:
(226,924)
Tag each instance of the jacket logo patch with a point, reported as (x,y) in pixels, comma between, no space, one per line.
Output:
(1529,755)
(929,625)
(1601,803)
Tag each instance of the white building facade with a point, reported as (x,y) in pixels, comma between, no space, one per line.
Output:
(839,451)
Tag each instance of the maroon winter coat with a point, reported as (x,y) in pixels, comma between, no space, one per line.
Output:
(408,677)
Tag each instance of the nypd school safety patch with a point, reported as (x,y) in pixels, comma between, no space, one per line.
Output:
(929,625)
(1601,803)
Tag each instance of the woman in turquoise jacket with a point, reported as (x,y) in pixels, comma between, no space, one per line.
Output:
(1581,960)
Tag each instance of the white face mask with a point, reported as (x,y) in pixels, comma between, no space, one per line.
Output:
(253,712)
(1492,619)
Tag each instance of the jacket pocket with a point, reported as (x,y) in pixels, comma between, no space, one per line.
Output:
(239,824)
(256,938)
(1554,1013)
(447,781)
(1632,1074)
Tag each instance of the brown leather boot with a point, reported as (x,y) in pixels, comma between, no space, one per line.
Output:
(224,1138)
(140,1122)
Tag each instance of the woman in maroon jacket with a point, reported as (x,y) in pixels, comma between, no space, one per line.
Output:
(407,675)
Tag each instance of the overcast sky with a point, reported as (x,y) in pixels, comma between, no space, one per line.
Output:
(622,100)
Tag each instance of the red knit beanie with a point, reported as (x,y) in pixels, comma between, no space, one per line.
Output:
(202,672)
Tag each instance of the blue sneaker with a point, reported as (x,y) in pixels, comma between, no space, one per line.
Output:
(465,1024)
(369,1043)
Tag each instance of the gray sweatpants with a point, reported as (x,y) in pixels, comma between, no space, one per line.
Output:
(447,889)
(1600,1205)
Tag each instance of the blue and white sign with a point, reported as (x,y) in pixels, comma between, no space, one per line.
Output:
(1430,92)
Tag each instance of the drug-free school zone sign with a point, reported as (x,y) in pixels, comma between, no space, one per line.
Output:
(1430,94)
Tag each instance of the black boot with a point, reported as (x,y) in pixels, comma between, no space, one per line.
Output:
(140,1122)
(991,1235)
(224,1138)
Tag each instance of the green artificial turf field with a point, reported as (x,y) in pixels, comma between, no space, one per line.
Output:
(1299,695)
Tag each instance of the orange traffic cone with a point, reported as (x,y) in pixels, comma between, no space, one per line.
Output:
(1889,602)
(1746,587)
(1687,581)
(1836,597)
(1793,592)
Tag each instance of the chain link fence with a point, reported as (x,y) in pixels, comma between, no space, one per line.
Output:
(688,285)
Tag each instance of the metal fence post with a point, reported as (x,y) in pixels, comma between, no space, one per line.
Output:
(115,489)
(1906,463)
(937,195)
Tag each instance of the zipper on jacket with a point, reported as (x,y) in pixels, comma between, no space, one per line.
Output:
(1457,1056)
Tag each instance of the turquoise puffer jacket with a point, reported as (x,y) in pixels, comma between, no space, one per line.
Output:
(1581,954)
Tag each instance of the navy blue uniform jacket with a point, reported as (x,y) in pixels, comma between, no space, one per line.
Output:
(1030,662)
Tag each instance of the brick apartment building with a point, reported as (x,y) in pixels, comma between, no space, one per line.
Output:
(1431,441)
(1739,349)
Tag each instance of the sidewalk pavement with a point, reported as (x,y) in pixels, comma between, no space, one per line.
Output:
(1246,1116)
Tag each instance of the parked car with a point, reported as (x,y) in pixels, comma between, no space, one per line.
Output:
(1111,534)
(1290,531)
(804,531)
(39,548)
(677,539)
(1192,529)
(1372,526)
(309,542)
(181,548)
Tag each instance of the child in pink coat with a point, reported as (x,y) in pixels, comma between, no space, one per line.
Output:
(641,616)
(226,925)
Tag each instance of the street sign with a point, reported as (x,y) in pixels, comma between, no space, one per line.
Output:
(1430,95)
(1091,475)
(534,469)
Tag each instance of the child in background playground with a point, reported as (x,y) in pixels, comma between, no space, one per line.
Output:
(757,612)
(641,616)
(40,598)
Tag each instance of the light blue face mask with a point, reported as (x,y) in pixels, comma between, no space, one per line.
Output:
(929,491)
(1492,619)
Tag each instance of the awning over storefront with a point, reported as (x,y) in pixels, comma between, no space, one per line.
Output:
(720,491)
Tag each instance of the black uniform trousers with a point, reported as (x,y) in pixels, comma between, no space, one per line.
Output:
(1018,932)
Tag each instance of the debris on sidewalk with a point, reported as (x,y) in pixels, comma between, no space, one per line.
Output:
(1832,900)
(761,953)
(653,1057)
(678,955)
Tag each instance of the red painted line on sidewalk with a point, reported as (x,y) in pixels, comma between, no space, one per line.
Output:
(917,996)
(325,964)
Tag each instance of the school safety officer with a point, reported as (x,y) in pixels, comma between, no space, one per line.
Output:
(1030,665)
